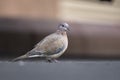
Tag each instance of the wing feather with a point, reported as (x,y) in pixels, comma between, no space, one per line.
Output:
(51,44)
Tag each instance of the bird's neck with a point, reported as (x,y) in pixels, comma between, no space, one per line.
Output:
(61,32)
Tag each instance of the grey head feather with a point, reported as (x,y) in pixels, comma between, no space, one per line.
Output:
(64,27)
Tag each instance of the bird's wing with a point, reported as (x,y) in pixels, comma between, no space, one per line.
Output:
(51,44)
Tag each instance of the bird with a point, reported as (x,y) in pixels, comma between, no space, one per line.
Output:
(51,47)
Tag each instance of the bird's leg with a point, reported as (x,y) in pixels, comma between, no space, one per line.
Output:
(50,60)
(55,60)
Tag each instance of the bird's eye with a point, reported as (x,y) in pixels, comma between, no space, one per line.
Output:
(62,25)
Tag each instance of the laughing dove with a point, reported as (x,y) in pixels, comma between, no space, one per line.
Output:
(51,47)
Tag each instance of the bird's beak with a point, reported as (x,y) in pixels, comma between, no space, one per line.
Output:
(68,29)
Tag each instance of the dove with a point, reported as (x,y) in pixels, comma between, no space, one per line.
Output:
(51,47)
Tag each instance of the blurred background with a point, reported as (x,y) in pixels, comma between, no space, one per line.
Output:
(94,34)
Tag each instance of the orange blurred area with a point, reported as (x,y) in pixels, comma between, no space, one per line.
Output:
(94,31)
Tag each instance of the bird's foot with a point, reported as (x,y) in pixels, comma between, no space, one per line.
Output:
(49,60)
(52,60)
(55,60)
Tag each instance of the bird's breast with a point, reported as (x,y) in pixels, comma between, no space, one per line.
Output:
(63,44)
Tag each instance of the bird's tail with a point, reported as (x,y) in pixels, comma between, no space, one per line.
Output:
(21,57)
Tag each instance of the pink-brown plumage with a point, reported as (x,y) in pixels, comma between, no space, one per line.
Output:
(52,46)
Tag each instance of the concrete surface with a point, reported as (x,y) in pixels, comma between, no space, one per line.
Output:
(63,70)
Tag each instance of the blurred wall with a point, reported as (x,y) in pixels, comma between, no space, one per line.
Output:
(90,11)
(28,8)
(95,27)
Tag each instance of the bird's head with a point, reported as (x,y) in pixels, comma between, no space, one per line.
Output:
(64,27)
